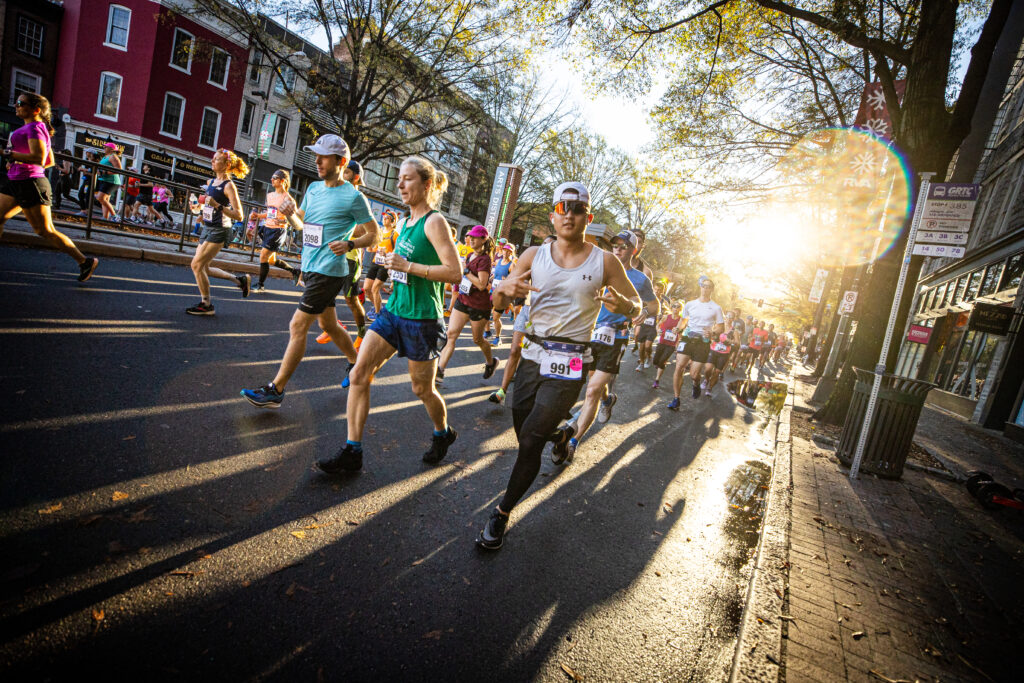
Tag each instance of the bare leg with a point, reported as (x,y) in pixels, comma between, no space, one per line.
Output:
(680,371)
(421,374)
(40,219)
(478,338)
(329,323)
(597,390)
(205,253)
(298,329)
(8,209)
(374,353)
(456,323)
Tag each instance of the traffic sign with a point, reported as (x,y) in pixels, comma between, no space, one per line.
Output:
(848,302)
(939,250)
(942,237)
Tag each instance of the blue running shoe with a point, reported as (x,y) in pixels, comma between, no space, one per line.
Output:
(371,315)
(345,382)
(264,397)
(674,404)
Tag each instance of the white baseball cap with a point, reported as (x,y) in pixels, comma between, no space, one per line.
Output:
(572,191)
(329,144)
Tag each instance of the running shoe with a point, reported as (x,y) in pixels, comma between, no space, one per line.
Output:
(265,397)
(674,404)
(447,313)
(655,385)
(647,364)
(357,343)
(297,278)
(323,338)
(497,397)
(493,532)
(605,412)
(696,390)
(259,289)
(243,283)
(487,334)
(570,450)
(490,368)
(704,384)
(85,270)
(639,367)
(439,377)
(200,309)
(348,459)
(345,382)
(371,315)
(560,447)
(496,341)
(710,393)
(439,446)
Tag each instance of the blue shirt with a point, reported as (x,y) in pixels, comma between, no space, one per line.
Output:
(339,210)
(643,287)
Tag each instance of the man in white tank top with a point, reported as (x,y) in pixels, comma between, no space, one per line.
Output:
(565,280)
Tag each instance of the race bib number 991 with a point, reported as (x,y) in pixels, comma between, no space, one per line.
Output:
(561,361)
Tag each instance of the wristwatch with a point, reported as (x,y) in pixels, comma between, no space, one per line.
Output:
(351,245)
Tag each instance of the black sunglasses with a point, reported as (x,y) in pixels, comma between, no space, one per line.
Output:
(564,207)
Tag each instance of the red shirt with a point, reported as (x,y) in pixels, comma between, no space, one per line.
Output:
(669,323)
(476,298)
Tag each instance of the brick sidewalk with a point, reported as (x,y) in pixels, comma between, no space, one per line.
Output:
(897,580)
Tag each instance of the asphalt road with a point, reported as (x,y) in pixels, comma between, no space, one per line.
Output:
(154,523)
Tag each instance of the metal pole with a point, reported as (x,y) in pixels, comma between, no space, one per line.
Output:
(908,252)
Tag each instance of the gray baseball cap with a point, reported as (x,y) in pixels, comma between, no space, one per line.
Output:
(329,144)
(572,191)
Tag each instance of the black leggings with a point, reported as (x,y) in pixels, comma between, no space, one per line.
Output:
(538,405)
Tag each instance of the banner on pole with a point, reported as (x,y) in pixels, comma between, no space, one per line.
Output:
(266,132)
(504,196)
(818,288)
(873,115)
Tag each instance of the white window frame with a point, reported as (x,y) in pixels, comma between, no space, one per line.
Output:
(181,115)
(241,118)
(42,36)
(227,69)
(110,19)
(14,78)
(191,52)
(216,132)
(99,95)
(281,86)
(257,65)
(277,125)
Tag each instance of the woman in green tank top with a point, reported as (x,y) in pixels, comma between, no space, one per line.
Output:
(411,324)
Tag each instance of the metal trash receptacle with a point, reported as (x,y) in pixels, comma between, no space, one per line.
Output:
(892,429)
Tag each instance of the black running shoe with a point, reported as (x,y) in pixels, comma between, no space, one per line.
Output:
(696,390)
(243,283)
(439,377)
(85,270)
(490,368)
(439,446)
(493,532)
(348,459)
(560,445)
(201,309)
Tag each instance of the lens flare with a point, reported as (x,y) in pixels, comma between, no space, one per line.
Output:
(850,192)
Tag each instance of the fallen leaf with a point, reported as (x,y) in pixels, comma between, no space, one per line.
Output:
(118,495)
(98,615)
(144,550)
(435,635)
(50,509)
(857,635)
(418,562)
(667,508)
(299,534)
(128,438)
(290,591)
(574,675)
(657,573)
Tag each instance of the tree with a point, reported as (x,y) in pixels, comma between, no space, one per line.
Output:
(918,41)
(400,76)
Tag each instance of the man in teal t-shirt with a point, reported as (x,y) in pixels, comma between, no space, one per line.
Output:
(332,210)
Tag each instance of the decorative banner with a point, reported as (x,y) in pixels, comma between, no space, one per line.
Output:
(991,318)
(818,288)
(504,196)
(873,115)
(919,334)
(848,303)
(266,132)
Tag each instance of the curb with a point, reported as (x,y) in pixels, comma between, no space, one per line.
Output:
(97,248)
(758,655)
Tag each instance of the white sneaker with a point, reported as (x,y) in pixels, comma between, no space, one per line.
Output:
(647,364)
(704,384)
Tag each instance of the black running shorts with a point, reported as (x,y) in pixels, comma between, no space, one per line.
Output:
(663,353)
(29,193)
(719,360)
(697,349)
(475,314)
(608,357)
(321,291)
(377,272)
(647,333)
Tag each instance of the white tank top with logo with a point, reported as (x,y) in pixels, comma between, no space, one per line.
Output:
(565,307)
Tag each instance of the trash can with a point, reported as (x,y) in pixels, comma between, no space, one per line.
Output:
(892,429)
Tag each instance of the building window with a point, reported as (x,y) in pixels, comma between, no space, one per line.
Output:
(991,281)
(256,67)
(219,63)
(973,285)
(109,98)
(285,82)
(174,110)
(181,50)
(248,114)
(958,295)
(23,82)
(30,37)
(118,21)
(281,132)
(1012,274)
(210,128)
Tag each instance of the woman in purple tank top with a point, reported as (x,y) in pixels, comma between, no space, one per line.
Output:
(26,188)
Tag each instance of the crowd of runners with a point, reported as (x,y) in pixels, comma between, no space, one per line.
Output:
(573,307)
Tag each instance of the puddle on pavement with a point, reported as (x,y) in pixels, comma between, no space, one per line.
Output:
(767,398)
(746,491)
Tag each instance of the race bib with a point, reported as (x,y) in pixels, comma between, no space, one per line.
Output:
(649,321)
(755,344)
(497,281)
(604,335)
(465,286)
(207,213)
(561,361)
(399,276)
(379,257)
(312,235)
(720,347)
(272,214)
(670,335)
(680,346)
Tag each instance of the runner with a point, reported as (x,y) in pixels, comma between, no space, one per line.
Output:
(520,327)
(377,274)
(758,337)
(411,323)
(473,302)
(506,256)
(161,198)
(669,335)
(220,207)
(769,342)
(704,319)
(607,345)
(108,184)
(26,188)
(463,251)
(332,209)
(647,331)
(721,349)
(740,327)
(144,201)
(566,282)
(275,228)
